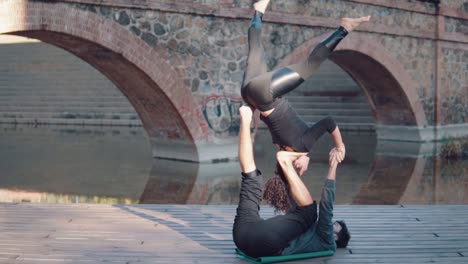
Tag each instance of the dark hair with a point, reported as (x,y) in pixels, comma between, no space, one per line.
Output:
(276,193)
(343,236)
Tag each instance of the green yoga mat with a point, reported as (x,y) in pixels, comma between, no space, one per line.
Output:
(272,259)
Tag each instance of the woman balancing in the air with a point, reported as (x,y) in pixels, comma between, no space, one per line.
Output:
(263,90)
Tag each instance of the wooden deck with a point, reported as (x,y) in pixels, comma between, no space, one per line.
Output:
(78,233)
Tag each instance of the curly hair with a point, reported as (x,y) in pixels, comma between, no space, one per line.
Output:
(276,191)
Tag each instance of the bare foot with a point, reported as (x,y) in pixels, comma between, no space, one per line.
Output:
(261,5)
(351,23)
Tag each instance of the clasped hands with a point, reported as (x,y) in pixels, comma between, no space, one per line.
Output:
(337,154)
(301,161)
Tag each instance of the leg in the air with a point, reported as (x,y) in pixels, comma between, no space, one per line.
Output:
(256,60)
(288,78)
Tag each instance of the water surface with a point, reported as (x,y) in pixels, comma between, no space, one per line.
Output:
(114,165)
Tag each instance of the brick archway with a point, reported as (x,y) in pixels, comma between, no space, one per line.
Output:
(152,86)
(389,89)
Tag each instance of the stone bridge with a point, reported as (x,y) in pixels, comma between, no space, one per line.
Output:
(180,63)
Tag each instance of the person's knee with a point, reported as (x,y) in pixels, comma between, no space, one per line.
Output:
(319,54)
(329,124)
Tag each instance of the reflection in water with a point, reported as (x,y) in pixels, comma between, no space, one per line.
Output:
(442,182)
(388,179)
(73,164)
(219,183)
(114,165)
(410,173)
(192,183)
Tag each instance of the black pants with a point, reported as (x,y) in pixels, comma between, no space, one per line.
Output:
(257,237)
(259,87)
(313,133)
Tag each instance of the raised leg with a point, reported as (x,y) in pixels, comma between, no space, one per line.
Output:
(252,181)
(290,77)
(256,59)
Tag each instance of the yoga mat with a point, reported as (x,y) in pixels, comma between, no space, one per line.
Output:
(273,259)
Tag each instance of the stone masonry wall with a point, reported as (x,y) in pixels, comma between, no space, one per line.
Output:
(210,52)
(455,86)
(417,58)
(415,54)
(459,5)
(454,64)
(456,25)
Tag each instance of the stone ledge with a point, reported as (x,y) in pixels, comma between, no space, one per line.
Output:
(74,121)
(417,134)
(407,149)
(225,151)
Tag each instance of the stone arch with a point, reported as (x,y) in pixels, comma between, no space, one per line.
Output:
(154,88)
(390,91)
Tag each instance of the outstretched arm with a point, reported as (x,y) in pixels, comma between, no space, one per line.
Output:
(325,224)
(246,158)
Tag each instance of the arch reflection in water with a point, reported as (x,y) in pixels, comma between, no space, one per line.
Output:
(114,165)
(179,182)
(394,165)
(219,183)
(374,172)
(413,173)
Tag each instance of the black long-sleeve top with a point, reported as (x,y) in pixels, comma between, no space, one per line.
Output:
(287,128)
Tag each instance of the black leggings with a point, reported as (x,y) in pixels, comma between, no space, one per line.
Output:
(257,237)
(259,87)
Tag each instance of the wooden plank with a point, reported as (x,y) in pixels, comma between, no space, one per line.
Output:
(80,233)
